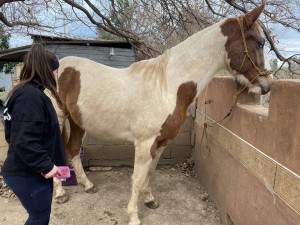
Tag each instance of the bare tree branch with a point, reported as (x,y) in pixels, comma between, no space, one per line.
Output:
(16,23)
(2,2)
(211,9)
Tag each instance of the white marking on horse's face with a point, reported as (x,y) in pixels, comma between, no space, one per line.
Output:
(255,90)
(252,88)
(267,62)
(242,80)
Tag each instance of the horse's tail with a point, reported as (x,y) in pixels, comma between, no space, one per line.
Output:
(65,137)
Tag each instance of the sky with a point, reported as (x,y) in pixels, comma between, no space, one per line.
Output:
(289,41)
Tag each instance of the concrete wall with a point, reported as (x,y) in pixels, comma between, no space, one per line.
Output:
(252,173)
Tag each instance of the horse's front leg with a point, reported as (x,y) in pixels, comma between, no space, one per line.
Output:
(60,194)
(142,164)
(150,201)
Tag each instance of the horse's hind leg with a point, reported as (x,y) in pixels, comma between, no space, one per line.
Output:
(73,149)
(142,164)
(150,201)
(60,194)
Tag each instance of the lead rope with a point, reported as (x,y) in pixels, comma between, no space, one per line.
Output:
(208,123)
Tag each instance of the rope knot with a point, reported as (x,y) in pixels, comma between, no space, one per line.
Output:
(235,97)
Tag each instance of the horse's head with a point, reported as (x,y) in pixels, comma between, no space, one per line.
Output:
(245,51)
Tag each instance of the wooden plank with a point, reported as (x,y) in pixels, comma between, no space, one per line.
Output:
(266,169)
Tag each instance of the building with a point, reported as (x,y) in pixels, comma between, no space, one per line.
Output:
(118,54)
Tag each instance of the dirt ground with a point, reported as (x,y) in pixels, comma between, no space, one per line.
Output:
(182,201)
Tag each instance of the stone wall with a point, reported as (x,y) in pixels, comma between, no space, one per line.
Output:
(252,173)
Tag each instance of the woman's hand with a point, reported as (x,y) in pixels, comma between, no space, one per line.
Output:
(53,172)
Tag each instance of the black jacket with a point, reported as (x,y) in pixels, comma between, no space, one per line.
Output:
(32,132)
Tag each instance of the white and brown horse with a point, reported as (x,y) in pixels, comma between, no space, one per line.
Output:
(146,103)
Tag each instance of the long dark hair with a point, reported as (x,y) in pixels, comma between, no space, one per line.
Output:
(37,64)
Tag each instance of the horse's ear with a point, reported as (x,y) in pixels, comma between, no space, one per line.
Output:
(252,16)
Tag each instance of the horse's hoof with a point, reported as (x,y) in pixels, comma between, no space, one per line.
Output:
(62,199)
(152,205)
(135,223)
(92,190)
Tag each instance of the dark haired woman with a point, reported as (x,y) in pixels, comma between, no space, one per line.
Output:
(33,134)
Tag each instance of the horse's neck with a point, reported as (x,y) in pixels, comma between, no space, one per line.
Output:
(197,59)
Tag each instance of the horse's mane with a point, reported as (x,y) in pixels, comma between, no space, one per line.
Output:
(153,69)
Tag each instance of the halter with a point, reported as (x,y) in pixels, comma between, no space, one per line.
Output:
(259,73)
(208,123)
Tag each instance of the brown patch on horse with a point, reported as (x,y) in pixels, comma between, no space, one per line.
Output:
(235,47)
(171,127)
(75,140)
(69,89)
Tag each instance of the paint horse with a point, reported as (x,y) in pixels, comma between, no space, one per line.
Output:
(146,103)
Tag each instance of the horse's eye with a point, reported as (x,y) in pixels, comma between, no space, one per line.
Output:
(260,44)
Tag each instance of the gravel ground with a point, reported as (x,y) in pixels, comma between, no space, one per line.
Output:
(182,201)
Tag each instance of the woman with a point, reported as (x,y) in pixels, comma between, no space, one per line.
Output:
(33,134)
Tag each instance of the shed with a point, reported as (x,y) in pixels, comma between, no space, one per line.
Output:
(118,54)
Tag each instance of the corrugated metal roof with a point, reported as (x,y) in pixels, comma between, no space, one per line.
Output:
(51,39)
(14,54)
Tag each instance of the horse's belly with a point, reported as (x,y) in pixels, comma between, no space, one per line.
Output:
(107,126)
(122,125)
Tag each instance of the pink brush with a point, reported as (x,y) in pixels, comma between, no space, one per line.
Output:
(65,172)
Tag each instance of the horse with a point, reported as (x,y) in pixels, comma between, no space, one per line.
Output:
(146,103)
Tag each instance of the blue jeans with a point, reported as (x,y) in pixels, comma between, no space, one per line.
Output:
(35,195)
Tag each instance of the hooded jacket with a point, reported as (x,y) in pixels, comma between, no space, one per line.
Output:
(32,132)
